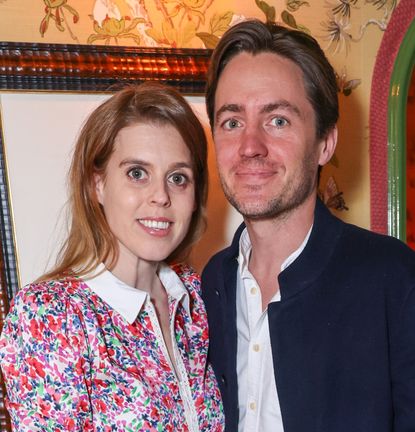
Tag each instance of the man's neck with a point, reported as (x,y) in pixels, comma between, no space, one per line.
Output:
(273,241)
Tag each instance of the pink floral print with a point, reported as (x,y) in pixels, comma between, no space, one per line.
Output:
(72,363)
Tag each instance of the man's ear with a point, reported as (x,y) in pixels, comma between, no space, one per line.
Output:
(328,146)
(99,187)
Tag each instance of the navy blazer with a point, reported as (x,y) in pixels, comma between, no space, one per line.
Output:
(342,336)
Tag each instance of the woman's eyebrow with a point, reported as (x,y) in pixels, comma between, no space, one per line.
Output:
(178,164)
(133,162)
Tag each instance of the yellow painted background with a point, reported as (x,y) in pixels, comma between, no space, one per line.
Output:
(358,25)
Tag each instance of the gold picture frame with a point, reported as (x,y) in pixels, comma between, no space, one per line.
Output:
(36,67)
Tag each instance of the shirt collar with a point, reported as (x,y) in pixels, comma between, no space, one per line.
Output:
(245,248)
(127,300)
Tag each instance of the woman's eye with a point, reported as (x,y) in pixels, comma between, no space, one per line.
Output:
(178,179)
(136,173)
(231,124)
(279,122)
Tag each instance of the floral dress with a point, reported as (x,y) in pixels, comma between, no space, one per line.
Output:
(72,362)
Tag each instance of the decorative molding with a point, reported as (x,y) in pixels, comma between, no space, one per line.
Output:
(90,68)
(397,148)
(385,192)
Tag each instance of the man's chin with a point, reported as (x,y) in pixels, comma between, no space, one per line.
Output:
(254,210)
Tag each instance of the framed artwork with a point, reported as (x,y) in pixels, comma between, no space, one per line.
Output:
(72,80)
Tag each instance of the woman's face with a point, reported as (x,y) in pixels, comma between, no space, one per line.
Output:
(148,191)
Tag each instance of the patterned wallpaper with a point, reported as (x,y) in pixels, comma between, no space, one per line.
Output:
(184,23)
(349,30)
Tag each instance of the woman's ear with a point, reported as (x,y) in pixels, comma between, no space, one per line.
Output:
(99,187)
(328,146)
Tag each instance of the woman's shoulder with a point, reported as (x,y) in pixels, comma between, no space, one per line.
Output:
(44,315)
(48,297)
(187,275)
(51,290)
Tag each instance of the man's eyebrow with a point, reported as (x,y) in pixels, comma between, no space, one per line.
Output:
(228,108)
(268,108)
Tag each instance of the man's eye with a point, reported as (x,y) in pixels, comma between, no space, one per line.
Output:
(279,122)
(136,173)
(178,179)
(231,124)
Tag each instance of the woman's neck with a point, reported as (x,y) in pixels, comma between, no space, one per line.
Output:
(136,272)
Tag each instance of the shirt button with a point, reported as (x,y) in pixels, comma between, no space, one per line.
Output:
(254,290)
(252,406)
(256,347)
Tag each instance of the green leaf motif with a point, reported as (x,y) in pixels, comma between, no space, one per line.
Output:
(40,389)
(294,5)
(304,29)
(268,10)
(199,14)
(115,341)
(208,39)
(156,35)
(289,19)
(220,23)
(136,38)
(92,38)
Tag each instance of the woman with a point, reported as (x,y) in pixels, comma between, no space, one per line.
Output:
(113,339)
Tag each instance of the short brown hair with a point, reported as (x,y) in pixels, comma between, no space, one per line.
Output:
(90,240)
(255,37)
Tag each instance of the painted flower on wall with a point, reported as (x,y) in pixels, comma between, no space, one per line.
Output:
(338,26)
(113,29)
(220,23)
(337,33)
(170,23)
(387,4)
(55,10)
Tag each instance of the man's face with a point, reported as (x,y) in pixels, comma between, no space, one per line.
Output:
(265,136)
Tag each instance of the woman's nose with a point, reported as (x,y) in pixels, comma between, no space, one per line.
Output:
(159,194)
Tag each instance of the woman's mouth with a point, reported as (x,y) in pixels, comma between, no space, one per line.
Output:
(154,224)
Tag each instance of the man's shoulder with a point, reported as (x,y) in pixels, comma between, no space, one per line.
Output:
(222,258)
(371,244)
(217,262)
(361,234)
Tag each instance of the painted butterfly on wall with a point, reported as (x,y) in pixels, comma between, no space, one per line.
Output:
(332,197)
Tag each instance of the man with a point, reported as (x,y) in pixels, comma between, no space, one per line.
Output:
(312,321)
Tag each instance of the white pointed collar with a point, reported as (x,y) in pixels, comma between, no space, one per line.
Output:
(127,300)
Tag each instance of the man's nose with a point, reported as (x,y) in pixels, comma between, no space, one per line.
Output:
(253,142)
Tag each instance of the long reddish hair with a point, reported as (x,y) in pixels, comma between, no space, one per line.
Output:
(90,240)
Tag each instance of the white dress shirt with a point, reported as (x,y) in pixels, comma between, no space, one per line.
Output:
(259,408)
